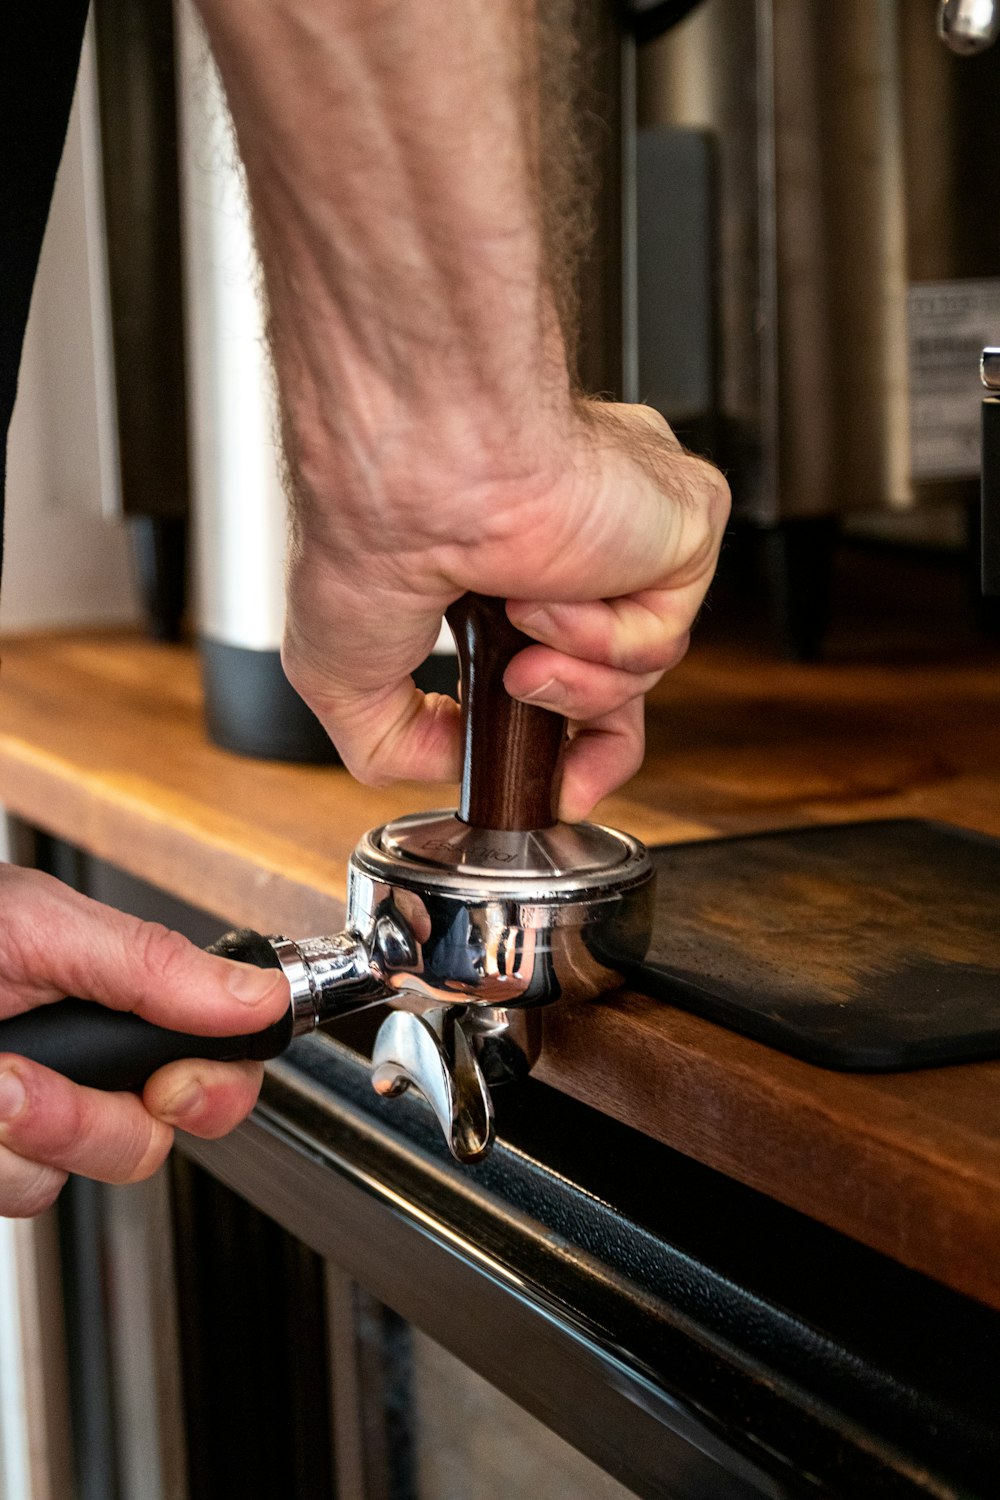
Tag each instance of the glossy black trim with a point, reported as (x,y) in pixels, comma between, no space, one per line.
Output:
(648,19)
(692,1337)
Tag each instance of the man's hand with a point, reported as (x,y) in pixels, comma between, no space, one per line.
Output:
(55,942)
(604,557)
(410,227)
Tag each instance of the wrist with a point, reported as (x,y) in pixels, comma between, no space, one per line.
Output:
(444,461)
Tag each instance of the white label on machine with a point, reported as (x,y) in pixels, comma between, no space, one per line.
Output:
(949,324)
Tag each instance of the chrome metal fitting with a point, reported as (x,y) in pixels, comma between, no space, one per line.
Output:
(968,27)
(468,933)
(460,915)
(473,931)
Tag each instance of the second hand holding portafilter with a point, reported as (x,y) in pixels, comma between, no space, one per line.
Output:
(468,922)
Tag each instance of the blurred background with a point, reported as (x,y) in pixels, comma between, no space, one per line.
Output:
(795,259)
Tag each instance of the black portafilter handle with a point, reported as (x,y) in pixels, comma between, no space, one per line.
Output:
(110,1049)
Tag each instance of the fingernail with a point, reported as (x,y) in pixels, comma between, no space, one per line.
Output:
(250,985)
(186,1102)
(551,694)
(537,620)
(12,1095)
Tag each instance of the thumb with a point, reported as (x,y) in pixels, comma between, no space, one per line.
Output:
(56,942)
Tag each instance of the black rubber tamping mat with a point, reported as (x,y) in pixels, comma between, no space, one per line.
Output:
(859,946)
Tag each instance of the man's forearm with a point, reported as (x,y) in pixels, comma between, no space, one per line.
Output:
(394,154)
(392,159)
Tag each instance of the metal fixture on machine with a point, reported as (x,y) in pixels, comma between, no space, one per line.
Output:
(466,923)
(968,26)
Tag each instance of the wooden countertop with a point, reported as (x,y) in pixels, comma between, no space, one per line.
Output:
(101,743)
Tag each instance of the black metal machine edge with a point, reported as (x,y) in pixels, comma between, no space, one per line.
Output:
(649,19)
(691,1336)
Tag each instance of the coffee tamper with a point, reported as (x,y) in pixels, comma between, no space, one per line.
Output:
(467,924)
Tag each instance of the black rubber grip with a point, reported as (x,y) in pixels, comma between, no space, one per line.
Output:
(110,1049)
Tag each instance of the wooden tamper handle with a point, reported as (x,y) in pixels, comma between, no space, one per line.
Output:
(511,761)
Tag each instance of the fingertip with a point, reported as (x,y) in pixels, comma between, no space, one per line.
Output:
(204,1099)
(186,1101)
(534,619)
(13,1093)
(600,758)
(575,802)
(212,995)
(416,740)
(256,988)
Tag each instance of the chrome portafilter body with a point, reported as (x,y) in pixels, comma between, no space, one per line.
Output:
(459,915)
(471,933)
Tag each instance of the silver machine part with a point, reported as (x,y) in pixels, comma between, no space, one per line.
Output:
(968,26)
(327,976)
(469,950)
(989,369)
(850,172)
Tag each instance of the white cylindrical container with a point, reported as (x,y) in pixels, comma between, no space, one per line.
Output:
(240,518)
(239,510)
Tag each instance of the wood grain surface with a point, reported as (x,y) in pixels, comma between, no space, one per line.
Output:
(101,743)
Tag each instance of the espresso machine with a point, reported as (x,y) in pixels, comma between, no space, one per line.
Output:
(833,169)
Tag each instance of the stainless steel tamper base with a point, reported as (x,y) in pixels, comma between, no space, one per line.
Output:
(469,933)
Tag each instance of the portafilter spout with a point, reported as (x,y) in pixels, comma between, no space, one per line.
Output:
(466,923)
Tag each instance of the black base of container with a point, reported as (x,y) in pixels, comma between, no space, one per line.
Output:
(252,708)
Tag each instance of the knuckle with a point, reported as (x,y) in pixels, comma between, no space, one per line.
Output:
(166,954)
(632,759)
(653,652)
(678,652)
(370,767)
(64,1126)
(28,1188)
(50,1120)
(655,421)
(296,669)
(718,498)
(632,749)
